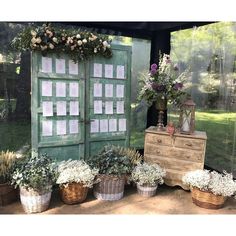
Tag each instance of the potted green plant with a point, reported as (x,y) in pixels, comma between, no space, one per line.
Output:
(8,193)
(210,189)
(147,176)
(74,179)
(35,176)
(113,168)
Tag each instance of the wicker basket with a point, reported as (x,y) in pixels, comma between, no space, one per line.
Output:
(34,201)
(73,193)
(8,194)
(110,188)
(146,191)
(206,199)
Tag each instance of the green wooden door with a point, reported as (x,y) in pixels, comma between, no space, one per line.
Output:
(77,108)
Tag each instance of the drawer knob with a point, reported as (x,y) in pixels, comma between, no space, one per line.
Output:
(159,140)
(188,144)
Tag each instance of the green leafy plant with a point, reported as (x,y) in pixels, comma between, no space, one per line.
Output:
(76,171)
(79,45)
(7,163)
(111,162)
(147,174)
(37,172)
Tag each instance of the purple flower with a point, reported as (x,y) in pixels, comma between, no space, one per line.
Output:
(178,86)
(153,72)
(158,87)
(154,66)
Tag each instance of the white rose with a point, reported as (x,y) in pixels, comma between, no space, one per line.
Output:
(38,40)
(55,40)
(105,43)
(79,42)
(78,36)
(84,40)
(95,50)
(33,40)
(33,33)
(43,47)
(51,45)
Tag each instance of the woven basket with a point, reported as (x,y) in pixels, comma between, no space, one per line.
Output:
(73,193)
(206,199)
(110,188)
(34,201)
(8,194)
(146,191)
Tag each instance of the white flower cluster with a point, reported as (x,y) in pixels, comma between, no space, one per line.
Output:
(148,174)
(219,184)
(77,171)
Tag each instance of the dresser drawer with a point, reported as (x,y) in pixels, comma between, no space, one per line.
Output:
(158,139)
(196,144)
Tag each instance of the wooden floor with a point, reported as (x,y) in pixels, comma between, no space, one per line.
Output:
(168,200)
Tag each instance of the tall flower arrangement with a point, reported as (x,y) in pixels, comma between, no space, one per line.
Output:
(80,45)
(164,81)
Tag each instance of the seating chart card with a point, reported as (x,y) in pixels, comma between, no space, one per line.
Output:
(103,125)
(47,64)
(61,108)
(122,124)
(47,128)
(112,125)
(60,89)
(108,71)
(97,90)
(108,107)
(74,126)
(120,107)
(47,108)
(120,72)
(60,66)
(46,88)
(94,126)
(97,107)
(74,108)
(73,68)
(109,90)
(61,127)
(97,70)
(119,90)
(74,89)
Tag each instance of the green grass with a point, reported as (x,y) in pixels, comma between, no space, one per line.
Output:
(13,135)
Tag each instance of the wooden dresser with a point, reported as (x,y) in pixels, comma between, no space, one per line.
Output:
(178,154)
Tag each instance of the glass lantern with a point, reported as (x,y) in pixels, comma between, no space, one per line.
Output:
(187,117)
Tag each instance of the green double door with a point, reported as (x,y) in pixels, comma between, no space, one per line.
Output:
(77,108)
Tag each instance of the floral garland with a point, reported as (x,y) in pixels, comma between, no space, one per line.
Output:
(79,45)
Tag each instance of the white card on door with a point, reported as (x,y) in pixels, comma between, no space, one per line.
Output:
(120,107)
(108,71)
(119,91)
(97,107)
(108,107)
(47,128)
(97,70)
(74,126)
(74,108)
(47,108)
(112,125)
(122,124)
(47,64)
(108,90)
(74,89)
(94,128)
(97,90)
(61,108)
(60,89)
(46,88)
(120,72)
(61,127)
(60,66)
(73,68)
(103,125)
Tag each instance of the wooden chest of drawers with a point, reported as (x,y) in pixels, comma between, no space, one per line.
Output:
(178,154)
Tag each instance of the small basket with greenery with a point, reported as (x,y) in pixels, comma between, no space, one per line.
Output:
(210,189)
(147,176)
(74,179)
(113,168)
(35,176)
